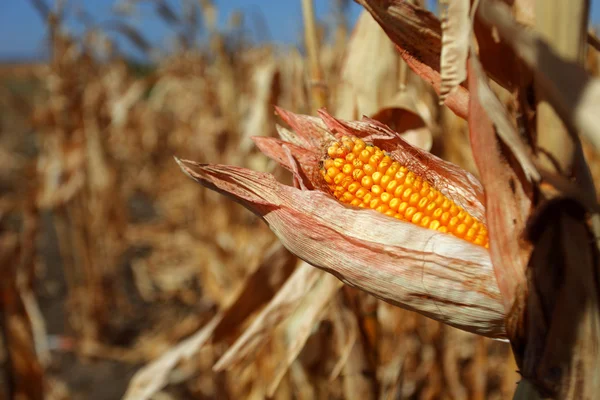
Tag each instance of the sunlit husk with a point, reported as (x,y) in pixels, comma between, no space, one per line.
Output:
(443,277)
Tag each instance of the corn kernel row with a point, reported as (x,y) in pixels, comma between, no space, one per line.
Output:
(363,175)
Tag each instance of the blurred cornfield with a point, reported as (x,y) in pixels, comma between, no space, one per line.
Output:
(110,257)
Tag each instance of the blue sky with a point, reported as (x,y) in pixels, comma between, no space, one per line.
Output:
(22,30)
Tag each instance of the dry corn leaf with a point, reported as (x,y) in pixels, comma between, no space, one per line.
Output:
(456,34)
(155,376)
(443,277)
(264,81)
(407,123)
(299,326)
(367,86)
(508,208)
(279,308)
(374,89)
(502,124)
(417,34)
(555,338)
(258,288)
(573,93)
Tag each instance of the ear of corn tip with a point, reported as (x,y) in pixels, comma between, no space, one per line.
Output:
(362,175)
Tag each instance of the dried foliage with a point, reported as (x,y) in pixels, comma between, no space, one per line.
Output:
(123,278)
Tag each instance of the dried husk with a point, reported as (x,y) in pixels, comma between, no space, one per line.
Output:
(435,274)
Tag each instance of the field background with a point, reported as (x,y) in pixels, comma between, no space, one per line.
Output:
(111,256)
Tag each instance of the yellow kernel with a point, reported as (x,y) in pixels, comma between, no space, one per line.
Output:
(356,163)
(346,182)
(461,230)
(437,213)
(377,177)
(470,235)
(368,169)
(442,229)
(453,222)
(353,187)
(332,171)
(367,198)
(338,178)
(359,146)
(417,184)
(434,225)
(347,169)
(347,197)
(410,211)
(406,194)
(454,210)
(400,176)
(402,207)
(374,203)
(416,218)
(385,163)
(366,182)
(410,179)
(375,160)
(468,221)
(425,221)
(398,191)
(394,203)
(355,202)
(328,179)
(364,156)
(385,197)
(350,157)
(339,163)
(385,181)
(391,171)
(445,218)
(461,214)
(413,199)
(382,208)
(348,144)
(358,174)
(332,149)
(376,190)
(390,213)
(445,203)
(431,207)
(391,186)
(360,193)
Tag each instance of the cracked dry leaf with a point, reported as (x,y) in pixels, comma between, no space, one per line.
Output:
(405,251)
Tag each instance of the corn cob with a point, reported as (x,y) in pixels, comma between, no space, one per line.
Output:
(363,175)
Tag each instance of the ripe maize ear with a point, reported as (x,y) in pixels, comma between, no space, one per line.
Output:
(363,175)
